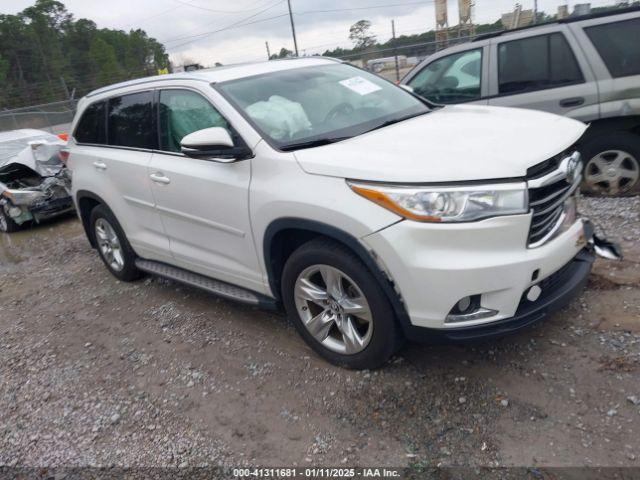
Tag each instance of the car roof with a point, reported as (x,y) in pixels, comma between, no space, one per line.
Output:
(570,19)
(224,73)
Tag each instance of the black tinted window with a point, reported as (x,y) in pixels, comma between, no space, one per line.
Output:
(130,121)
(91,128)
(536,63)
(618,45)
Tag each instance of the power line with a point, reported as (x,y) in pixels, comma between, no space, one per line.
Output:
(372,7)
(152,17)
(228,26)
(230,12)
(240,23)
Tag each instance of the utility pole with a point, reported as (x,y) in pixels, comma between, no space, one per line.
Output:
(535,11)
(293,28)
(395,50)
(268,51)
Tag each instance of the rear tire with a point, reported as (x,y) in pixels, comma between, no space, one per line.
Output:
(612,165)
(112,245)
(7,225)
(338,306)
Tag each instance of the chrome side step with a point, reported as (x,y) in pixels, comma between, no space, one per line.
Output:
(221,289)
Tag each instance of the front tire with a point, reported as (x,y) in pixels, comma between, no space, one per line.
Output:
(112,245)
(338,307)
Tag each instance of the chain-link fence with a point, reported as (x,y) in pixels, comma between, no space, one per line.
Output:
(54,117)
(383,61)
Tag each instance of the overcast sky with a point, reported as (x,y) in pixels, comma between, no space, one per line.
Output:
(185,26)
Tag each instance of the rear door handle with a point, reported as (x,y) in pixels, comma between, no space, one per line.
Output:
(100,165)
(160,178)
(572,102)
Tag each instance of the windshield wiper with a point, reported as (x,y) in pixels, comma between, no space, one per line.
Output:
(396,120)
(312,143)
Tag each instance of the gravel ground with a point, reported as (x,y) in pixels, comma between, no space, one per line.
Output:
(96,372)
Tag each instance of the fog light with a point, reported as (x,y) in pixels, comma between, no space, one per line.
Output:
(464,304)
(15,212)
(534,293)
(468,309)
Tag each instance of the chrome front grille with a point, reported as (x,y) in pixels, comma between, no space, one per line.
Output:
(549,190)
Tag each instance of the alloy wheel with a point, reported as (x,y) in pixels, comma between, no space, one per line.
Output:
(612,172)
(109,244)
(333,309)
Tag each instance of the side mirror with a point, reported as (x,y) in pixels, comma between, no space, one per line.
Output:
(213,143)
(408,88)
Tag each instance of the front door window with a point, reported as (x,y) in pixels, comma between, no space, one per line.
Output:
(452,79)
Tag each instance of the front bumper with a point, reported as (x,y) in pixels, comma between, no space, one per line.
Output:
(558,290)
(434,266)
(43,210)
(52,208)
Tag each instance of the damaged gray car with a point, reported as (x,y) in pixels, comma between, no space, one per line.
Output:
(35,184)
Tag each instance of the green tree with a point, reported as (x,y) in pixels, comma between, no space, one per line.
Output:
(46,22)
(46,53)
(360,35)
(4,68)
(284,53)
(104,63)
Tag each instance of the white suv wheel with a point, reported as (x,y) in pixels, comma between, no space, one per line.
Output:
(333,309)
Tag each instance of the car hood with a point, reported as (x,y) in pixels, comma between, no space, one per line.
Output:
(456,143)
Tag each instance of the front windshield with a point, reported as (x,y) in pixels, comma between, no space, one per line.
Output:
(302,106)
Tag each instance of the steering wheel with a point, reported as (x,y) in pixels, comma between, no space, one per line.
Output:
(343,108)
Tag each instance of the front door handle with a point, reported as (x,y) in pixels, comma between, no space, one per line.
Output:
(572,102)
(100,165)
(160,178)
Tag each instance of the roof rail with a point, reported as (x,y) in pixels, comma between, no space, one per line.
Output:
(579,18)
(310,57)
(140,81)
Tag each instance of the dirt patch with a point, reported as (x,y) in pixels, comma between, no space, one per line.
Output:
(98,372)
(620,364)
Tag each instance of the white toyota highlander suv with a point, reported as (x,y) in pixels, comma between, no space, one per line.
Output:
(368,213)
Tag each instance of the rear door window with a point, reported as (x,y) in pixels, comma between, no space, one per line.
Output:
(536,63)
(183,112)
(92,126)
(618,45)
(131,121)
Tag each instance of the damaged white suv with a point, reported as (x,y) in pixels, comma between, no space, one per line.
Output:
(34,183)
(371,215)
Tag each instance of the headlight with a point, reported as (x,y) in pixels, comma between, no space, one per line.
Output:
(448,204)
(23,197)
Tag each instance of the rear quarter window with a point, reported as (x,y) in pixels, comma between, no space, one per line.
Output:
(92,125)
(618,45)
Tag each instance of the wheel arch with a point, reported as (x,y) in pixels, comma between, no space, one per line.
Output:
(613,125)
(86,202)
(283,236)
